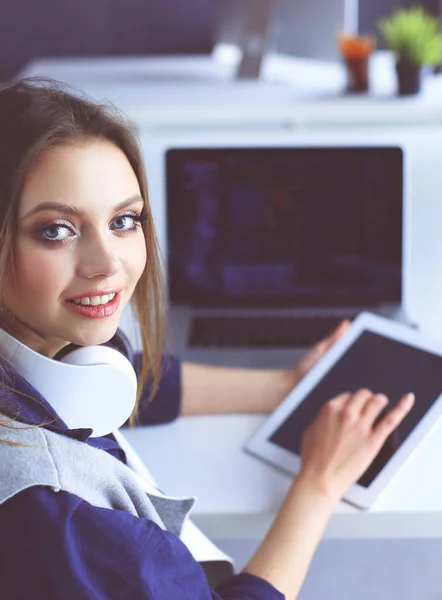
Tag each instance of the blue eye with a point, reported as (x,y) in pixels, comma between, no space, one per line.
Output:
(124,222)
(128,222)
(53,232)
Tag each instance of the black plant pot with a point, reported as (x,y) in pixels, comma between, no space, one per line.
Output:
(409,78)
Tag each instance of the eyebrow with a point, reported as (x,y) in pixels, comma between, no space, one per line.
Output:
(68,209)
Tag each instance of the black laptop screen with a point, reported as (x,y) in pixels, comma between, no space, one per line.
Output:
(284,226)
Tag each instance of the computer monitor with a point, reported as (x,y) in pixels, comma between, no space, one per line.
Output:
(285,226)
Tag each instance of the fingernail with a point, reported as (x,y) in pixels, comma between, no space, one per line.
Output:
(410,397)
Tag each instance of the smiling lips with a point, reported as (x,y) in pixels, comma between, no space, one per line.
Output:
(95,306)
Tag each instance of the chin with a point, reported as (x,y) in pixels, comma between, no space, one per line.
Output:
(94,336)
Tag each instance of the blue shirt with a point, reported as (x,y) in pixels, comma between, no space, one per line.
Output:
(57,546)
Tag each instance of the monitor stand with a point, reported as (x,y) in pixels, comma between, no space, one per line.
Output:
(253,40)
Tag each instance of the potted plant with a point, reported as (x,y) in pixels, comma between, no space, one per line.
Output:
(414,37)
(356,51)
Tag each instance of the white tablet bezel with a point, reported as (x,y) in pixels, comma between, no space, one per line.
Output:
(260,445)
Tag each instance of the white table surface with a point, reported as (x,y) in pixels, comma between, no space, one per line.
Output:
(238,495)
(201,90)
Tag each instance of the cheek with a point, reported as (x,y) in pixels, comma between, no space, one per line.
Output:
(37,276)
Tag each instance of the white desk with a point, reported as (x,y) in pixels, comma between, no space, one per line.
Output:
(200,91)
(238,495)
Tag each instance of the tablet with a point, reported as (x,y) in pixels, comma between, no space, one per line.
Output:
(374,353)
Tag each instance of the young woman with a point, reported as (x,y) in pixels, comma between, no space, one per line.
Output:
(77,244)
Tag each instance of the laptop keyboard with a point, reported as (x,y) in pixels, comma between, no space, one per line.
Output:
(260,332)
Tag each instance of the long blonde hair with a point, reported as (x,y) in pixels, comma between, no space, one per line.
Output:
(37,115)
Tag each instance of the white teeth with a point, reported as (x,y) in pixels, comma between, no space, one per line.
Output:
(95,300)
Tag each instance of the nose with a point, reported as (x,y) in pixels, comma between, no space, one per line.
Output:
(98,259)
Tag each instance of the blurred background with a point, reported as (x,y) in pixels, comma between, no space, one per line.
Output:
(54,28)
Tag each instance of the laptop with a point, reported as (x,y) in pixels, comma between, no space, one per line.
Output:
(268,249)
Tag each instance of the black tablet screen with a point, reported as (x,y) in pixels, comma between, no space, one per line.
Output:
(383,366)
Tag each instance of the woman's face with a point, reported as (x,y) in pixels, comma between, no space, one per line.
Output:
(79,249)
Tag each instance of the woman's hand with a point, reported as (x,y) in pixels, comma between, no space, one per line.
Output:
(343,439)
(337,448)
(295,373)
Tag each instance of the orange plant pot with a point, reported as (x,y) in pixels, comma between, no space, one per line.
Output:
(356,52)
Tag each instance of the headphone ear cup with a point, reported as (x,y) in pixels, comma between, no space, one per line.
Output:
(102,391)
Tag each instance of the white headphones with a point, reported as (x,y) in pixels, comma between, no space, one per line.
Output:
(88,387)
